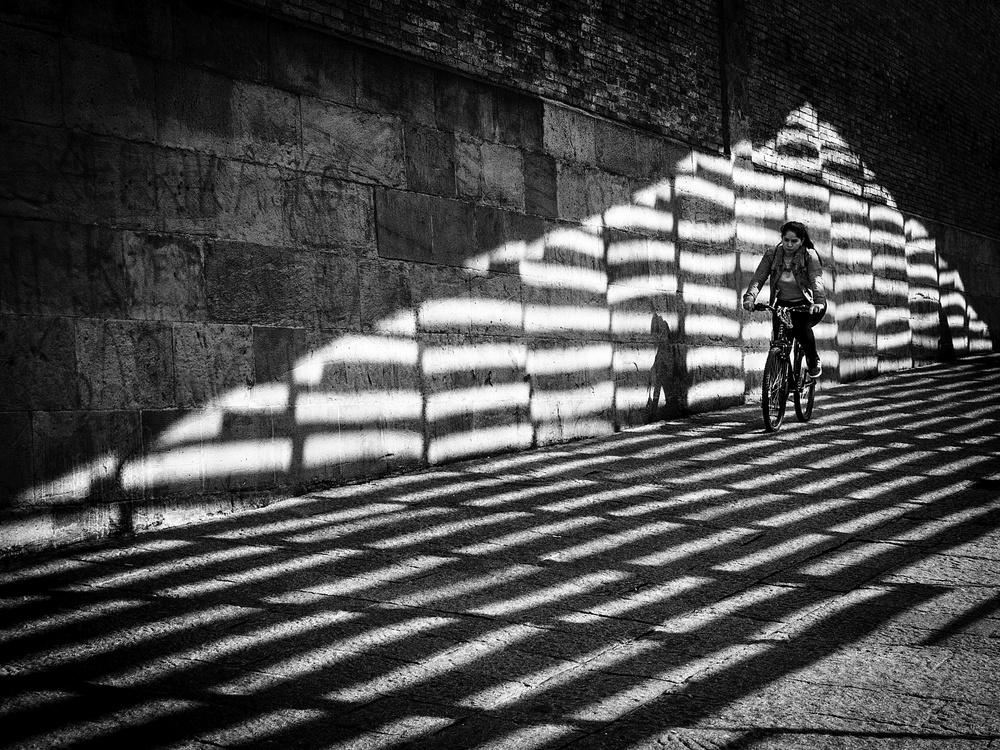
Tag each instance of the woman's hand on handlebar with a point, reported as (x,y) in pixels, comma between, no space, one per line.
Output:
(814,309)
(748,300)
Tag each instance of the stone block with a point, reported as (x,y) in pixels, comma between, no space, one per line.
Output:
(495,304)
(101,288)
(337,291)
(48,15)
(502,176)
(540,184)
(351,143)
(385,291)
(39,363)
(615,148)
(569,135)
(224,37)
(233,200)
(15,457)
(212,113)
(125,364)
(144,26)
(329,213)
(430,161)
(465,106)
(29,76)
(40,268)
(440,298)
(108,92)
(211,360)
(404,226)
(276,352)
(260,284)
(164,277)
(584,193)
(386,83)
(31,159)
(109,181)
(520,120)
(468,168)
(77,453)
(657,158)
(311,62)
(453,230)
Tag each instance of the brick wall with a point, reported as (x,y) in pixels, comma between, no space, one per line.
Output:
(243,256)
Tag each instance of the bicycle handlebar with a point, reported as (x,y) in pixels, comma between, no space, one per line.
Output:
(761,306)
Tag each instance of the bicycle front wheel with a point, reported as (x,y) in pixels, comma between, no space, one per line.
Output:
(774,391)
(805,388)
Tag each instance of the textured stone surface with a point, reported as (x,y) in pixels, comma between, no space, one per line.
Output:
(126,364)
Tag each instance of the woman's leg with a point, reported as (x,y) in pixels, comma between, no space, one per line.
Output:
(802,325)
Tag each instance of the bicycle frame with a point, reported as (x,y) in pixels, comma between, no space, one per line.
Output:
(784,372)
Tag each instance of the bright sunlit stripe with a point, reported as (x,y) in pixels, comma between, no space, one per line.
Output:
(446,529)
(641,250)
(624,321)
(567,359)
(784,548)
(321,449)
(561,276)
(637,287)
(205,424)
(360,349)
(534,533)
(705,231)
(475,400)
(610,541)
(494,312)
(319,407)
(447,660)
(638,217)
(481,440)
(392,517)
(676,552)
(553,318)
(208,460)
(571,587)
(713,326)
(442,359)
(565,405)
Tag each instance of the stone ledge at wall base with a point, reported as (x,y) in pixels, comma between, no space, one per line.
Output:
(33,529)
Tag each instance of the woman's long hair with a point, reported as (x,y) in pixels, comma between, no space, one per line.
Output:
(800,231)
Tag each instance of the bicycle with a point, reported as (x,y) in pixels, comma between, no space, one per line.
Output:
(783,375)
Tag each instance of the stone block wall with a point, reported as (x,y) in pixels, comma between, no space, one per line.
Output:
(237,270)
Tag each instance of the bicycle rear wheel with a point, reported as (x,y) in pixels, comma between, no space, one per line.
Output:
(805,387)
(774,391)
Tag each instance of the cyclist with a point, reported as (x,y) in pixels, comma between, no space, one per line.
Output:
(796,278)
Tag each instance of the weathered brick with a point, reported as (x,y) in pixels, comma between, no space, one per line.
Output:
(125,364)
(29,76)
(211,360)
(351,143)
(108,92)
(39,363)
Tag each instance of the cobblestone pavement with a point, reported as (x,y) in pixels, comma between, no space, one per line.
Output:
(693,584)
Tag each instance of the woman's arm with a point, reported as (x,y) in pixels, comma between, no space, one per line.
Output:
(815,270)
(762,272)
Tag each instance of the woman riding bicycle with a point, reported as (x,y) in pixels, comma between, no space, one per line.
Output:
(796,278)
